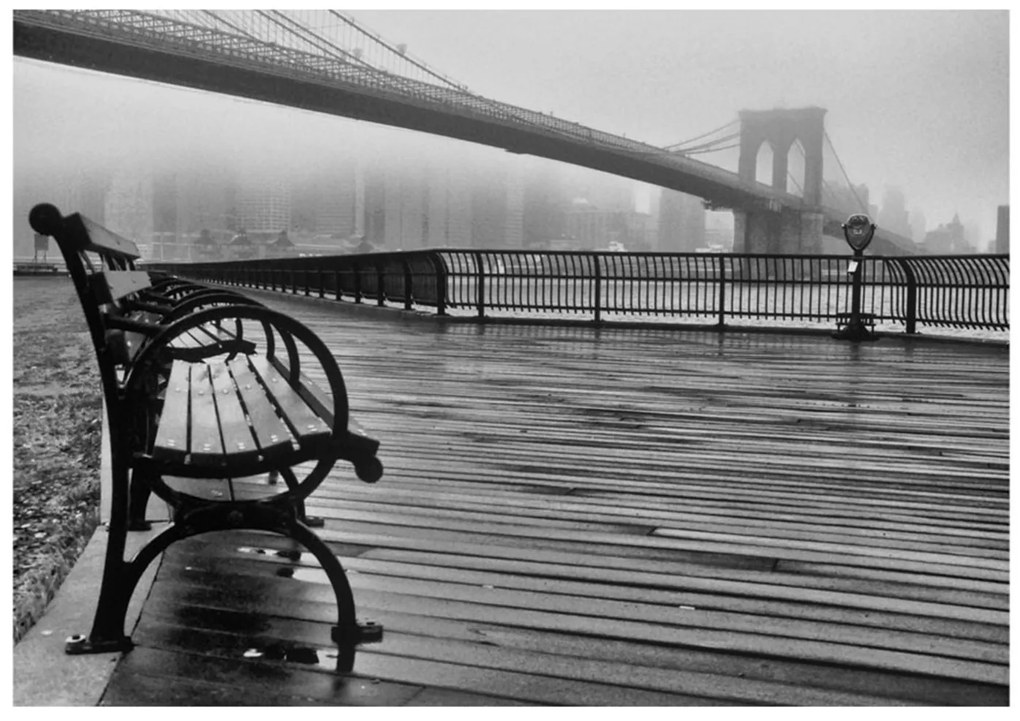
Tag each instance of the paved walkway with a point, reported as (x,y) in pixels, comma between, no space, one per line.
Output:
(606,517)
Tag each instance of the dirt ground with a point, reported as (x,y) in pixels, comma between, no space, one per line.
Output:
(57,428)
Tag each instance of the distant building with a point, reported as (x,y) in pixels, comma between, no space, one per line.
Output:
(918,225)
(893,215)
(491,214)
(404,208)
(949,238)
(546,202)
(324,203)
(588,227)
(128,207)
(1002,230)
(263,203)
(681,226)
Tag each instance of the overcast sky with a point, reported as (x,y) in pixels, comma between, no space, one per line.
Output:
(916,99)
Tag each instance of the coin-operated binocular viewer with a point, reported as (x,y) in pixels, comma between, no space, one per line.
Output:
(858,230)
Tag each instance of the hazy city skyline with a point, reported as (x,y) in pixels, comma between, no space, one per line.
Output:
(916,100)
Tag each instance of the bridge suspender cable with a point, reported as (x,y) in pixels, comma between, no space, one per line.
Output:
(292,26)
(403,55)
(839,162)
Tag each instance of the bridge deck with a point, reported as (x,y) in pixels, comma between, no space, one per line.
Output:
(623,517)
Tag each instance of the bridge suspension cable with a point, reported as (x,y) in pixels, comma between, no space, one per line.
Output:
(682,147)
(329,33)
(710,146)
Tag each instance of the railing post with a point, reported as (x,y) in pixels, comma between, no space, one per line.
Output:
(911,318)
(440,266)
(336,285)
(598,288)
(357,282)
(408,285)
(480,285)
(380,279)
(722,289)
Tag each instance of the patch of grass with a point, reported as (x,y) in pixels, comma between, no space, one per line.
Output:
(57,435)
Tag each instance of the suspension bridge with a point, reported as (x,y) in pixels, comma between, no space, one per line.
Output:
(324,61)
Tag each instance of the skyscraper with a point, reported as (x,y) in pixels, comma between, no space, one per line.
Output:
(1002,230)
(681,222)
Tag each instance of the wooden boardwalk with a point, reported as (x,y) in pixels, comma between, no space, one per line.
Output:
(622,517)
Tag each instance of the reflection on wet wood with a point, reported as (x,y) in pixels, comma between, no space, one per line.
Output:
(618,517)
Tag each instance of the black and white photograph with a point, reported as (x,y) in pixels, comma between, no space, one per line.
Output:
(491,356)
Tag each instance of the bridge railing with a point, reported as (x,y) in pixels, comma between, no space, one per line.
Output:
(969,292)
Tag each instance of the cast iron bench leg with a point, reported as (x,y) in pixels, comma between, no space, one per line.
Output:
(299,504)
(347,633)
(138,502)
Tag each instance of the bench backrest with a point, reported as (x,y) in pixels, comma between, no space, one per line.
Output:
(102,266)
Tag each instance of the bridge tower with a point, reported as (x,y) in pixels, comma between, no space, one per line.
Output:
(770,230)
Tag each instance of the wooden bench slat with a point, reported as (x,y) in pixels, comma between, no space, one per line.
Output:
(186,339)
(317,399)
(269,431)
(238,442)
(172,436)
(304,423)
(101,239)
(205,443)
(112,285)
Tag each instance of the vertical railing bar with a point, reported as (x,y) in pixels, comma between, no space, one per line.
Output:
(721,275)
(479,285)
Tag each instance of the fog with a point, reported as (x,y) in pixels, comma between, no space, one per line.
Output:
(916,99)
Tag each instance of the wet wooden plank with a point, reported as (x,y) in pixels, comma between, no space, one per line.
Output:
(787,681)
(238,441)
(304,424)
(680,624)
(172,436)
(268,429)
(760,519)
(205,442)
(153,676)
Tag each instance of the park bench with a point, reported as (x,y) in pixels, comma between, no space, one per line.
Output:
(209,396)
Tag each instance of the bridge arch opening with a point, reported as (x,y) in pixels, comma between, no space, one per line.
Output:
(796,168)
(764,162)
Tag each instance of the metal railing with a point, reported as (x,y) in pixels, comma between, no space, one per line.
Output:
(969,292)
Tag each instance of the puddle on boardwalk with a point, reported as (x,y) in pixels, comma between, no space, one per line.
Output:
(310,575)
(323,658)
(289,554)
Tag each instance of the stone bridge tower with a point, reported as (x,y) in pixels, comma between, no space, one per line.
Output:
(768,230)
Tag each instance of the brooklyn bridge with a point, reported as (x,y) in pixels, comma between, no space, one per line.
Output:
(316,61)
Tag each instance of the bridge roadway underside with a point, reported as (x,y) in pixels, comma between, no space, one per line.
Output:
(614,517)
(356,102)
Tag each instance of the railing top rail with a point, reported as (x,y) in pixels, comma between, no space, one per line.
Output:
(932,260)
